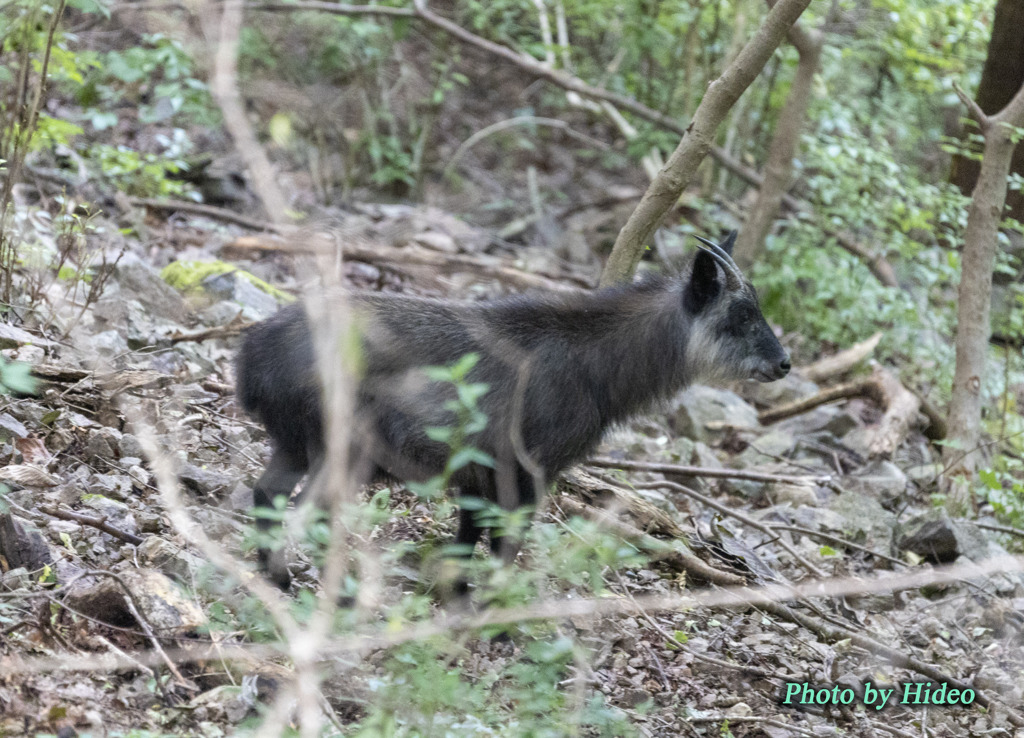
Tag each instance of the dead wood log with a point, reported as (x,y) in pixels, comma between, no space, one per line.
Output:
(901,408)
(936,429)
(842,362)
(606,494)
(901,414)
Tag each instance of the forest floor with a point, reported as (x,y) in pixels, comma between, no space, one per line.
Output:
(146,361)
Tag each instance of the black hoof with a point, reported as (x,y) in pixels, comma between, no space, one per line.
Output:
(274,564)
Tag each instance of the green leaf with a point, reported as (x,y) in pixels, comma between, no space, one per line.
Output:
(465,456)
(15,376)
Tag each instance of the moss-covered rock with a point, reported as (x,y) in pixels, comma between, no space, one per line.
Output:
(188,276)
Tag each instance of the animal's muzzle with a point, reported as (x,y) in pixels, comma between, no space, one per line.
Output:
(772,372)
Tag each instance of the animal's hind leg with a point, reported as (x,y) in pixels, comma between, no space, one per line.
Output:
(284,471)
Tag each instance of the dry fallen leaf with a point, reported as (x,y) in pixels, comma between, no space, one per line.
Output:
(28,475)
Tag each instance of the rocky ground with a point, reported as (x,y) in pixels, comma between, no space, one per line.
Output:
(146,366)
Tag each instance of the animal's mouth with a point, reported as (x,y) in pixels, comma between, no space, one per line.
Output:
(768,376)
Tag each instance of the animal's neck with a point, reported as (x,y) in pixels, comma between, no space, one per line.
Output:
(643,358)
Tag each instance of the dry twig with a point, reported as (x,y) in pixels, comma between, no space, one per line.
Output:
(659,550)
(97,523)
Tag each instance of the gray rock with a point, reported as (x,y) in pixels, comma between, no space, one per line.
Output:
(137,326)
(15,579)
(175,562)
(139,281)
(109,344)
(436,241)
(11,337)
(21,544)
(925,475)
(938,538)
(634,697)
(769,447)
(704,455)
(205,481)
(881,479)
(255,303)
(819,518)
(795,494)
(11,427)
(102,442)
(115,486)
(790,388)
(865,520)
(129,445)
(117,513)
(240,498)
(165,608)
(149,522)
(140,476)
(699,406)
(842,422)
(682,450)
(220,313)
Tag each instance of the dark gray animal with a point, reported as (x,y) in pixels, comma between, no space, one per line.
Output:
(560,369)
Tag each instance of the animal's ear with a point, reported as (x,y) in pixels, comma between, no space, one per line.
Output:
(729,242)
(705,283)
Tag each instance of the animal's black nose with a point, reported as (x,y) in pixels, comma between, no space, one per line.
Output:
(784,365)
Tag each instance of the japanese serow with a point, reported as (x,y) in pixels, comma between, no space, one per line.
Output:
(560,369)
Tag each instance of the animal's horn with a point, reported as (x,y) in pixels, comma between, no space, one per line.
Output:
(733,275)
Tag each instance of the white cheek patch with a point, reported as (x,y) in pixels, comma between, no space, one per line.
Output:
(705,357)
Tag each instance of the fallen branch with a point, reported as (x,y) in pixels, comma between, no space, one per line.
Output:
(733,513)
(97,523)
(232,328)
(838,541)
(659,550)
(380,254)
(859,388)
(708,472)
(209,211)
(1001,529)
(901,413)
(900,405)
(842,362)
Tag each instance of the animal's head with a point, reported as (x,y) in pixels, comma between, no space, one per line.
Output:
(729,337)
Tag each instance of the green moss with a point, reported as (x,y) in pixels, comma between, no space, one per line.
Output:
(188,276)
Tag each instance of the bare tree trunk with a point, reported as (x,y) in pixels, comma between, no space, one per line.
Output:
(1001,77)
(973,312)
(224,89)
(778,169)
(721,95)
